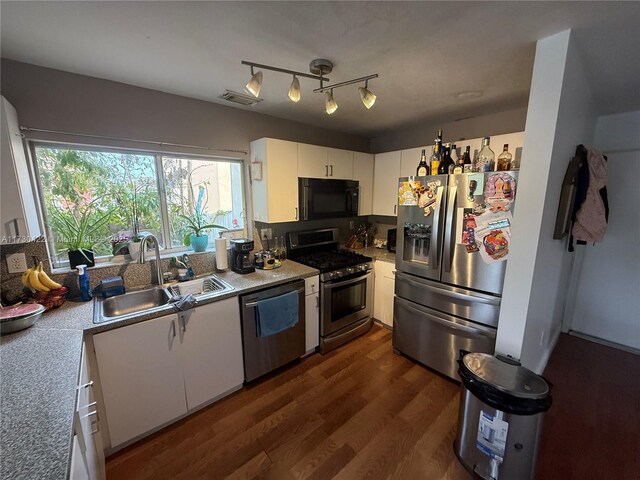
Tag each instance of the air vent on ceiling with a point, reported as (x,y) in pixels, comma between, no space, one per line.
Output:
(240,98)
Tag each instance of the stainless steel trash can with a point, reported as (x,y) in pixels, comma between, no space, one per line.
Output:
(500,419)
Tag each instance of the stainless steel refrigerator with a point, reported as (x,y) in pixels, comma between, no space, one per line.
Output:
(448,279)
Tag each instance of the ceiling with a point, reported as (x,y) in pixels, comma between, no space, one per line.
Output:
(424,52)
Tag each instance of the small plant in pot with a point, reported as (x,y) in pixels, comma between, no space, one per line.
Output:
(195,237)
(79,234)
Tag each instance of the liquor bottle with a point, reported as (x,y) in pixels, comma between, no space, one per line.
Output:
(486,158)
(466,160)
(504,159)
(454,154)
(434,161)
(515,163)
(446,162)
(423,168)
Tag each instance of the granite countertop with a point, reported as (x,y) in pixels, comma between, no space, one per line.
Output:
(381,254)
(40,369)
(39,379)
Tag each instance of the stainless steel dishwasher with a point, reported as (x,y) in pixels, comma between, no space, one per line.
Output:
(264,354)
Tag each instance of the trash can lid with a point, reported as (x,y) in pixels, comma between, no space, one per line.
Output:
(509,378)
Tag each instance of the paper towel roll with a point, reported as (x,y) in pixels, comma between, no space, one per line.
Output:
(221,254)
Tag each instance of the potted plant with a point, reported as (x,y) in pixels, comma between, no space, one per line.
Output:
(195,236)
(80,233)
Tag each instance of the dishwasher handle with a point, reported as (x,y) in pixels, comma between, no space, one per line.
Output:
(253,304)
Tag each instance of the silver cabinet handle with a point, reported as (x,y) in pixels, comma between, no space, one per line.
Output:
(184,322)
(86,385)
(173,328)
(317,302)
(395,209)
(331,170)
(89,405)
(326,170)
(296,216)
(95,424)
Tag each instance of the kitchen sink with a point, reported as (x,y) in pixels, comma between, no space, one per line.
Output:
(130,304)
(155,299)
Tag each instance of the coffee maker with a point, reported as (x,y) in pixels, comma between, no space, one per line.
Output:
(241,258)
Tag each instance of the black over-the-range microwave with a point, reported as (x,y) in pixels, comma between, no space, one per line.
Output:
(320,198)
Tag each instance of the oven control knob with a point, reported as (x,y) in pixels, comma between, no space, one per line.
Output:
(350,270)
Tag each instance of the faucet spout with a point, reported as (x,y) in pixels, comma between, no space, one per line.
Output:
(156,246)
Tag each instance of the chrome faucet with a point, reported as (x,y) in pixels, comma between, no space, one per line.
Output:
(156,246)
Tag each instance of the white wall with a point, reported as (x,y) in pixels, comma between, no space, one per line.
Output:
(607,274)
(560,116)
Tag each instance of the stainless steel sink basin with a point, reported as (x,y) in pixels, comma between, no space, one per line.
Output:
(129,304)
(155,299)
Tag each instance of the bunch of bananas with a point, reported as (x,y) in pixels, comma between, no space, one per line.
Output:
(36,278)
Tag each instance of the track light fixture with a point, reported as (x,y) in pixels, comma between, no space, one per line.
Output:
(330,104)
(294,90)
(255,83)
(318,68)
(368,98)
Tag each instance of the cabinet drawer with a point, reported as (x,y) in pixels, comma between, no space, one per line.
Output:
(311,285)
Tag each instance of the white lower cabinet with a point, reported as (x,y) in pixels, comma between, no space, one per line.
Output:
(384,285)
(154,371)
(79,469)
(211,350)
(87,424)
(312,313)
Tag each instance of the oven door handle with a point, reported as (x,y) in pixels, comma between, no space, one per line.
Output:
(253,304)
(329,286)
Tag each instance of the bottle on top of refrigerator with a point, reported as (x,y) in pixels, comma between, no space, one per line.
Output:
(446,162)
(515,163)
(486,158)
(466,160)
(504,159)
(434,161)
(439,140)
(454,153)
(423,168)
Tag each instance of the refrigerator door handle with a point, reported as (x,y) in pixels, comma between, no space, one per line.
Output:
(449,236)
(460,296)
(433,254)
(479,330)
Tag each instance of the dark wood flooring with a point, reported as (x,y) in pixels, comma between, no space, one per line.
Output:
(364,412)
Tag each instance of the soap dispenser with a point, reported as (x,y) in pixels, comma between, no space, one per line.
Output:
(83,283)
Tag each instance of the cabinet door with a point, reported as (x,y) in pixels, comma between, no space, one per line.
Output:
(18,211)
(312,318)
(340,163)
(410,160)
(211,350)
(312,161)
(78,467)
(385,183)
(89,421)
(388,282)
(141,377)
(363,173)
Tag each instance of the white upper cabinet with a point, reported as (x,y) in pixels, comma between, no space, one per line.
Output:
(363,173)
(312,161)
(324,162)
(340,163)
(18,205)
(275,193)
(385,183)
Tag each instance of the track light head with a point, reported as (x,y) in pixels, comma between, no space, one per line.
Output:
(330,104)
(294,90)
(255,83)
(367,97)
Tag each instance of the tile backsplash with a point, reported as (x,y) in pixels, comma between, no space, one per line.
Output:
(134,274)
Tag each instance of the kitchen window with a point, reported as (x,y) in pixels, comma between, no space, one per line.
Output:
(127,192)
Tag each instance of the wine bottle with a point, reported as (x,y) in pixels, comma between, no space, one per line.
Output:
(466,160)
(434,161)
(504,159)
(454,153)
(486,158)
(446,162)
(423,168)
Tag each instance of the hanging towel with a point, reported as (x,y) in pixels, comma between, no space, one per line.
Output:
(591,219)
(276,314)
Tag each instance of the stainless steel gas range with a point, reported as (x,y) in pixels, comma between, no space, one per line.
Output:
(346,285)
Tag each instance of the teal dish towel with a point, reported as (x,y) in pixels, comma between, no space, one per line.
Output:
(277,314)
